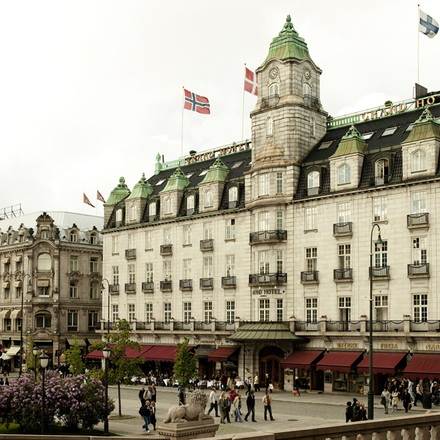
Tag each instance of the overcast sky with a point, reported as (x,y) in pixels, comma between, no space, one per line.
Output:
(92,90)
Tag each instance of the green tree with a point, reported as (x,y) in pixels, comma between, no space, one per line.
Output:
(74,358)
(121,368)
(185,365)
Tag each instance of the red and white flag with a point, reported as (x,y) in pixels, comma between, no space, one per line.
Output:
(196,103)
(99,196)
(87,201)
(251,82)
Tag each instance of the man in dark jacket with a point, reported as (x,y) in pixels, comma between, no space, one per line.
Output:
(250,402)
(141,396)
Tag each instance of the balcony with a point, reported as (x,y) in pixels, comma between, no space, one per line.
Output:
(186,284)
(148,287)
(265,279)
(311,101)
(270,101)
(166,249)
(417,220)
(313,191)
(380,272)
(343,275)
(309,277)
(342,229)
(267,236)
(418,270)
(166,286)
(206,283)
(229,282)
(130,254)
(207,245)
(113,288)
(130,287)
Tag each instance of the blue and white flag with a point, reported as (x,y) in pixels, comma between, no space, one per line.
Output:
(427,25)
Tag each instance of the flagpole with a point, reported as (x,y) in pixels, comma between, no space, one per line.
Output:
(242,112)
(418,42)
(181,134)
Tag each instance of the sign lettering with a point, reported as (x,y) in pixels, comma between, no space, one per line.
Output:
(217,152)
(347,344)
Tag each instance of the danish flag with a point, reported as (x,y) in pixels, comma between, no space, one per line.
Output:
(251,82)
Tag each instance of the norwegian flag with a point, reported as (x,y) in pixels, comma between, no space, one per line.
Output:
(196,103)
(251,82)
(87,201)
(99,196)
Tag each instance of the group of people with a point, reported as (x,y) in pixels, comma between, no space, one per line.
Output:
(355,411)
(148,406)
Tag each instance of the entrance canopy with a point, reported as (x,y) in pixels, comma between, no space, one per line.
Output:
(301,359)
(339,361)
(423,365)
(265,331)
(383,363)
(221,354)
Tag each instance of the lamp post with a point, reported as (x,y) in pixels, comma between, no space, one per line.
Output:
(35,352)
(44,360)
(108,301)
(106,351)
(370,378)
(22,322)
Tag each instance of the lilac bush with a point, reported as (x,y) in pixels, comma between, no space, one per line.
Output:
(76,401)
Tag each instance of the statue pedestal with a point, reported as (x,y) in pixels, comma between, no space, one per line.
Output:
(188,430)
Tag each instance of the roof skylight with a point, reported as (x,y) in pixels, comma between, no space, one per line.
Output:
(160,182)
(236,165)
(203,172)
(325,145)
(389,131)
(368,135)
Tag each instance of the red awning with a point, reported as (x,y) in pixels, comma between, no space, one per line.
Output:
(384,363)
(130,353)
(164,353)
(221,354)
(95,354)
(145,349)
(301,359)
(339,361)
(423,365)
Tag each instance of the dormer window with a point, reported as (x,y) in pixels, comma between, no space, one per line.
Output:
(418,161)
(168,209)
(233,197)
(381,171)
(45,234)
(209,200)
(119,215)
(74,236)
(313,180)
(190,205)
(152,209)
(133,212)
(344,174)
(93,239)
(273,90)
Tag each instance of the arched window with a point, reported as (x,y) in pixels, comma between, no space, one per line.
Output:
(43,320)
(313,180)
(307,90)
(273,89)
(209,201)
(152,209)
(269,126)
(190,205)
(44,262)
(74,236)
(418,161)
(119,215)
(233,194)
(133,212)
(344,174)
(168,206)
(381,171)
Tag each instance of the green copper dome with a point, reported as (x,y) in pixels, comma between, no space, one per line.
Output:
(288,44)
(425,127)
(142,189)
(351,142)
(217,172)
(178,181)
(120,192)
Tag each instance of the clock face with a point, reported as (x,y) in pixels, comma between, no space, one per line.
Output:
(273,73)
(307,73)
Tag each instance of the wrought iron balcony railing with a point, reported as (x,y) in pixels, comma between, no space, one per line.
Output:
(267,236)
(267,278)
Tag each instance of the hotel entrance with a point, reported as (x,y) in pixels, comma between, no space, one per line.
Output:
(270,363)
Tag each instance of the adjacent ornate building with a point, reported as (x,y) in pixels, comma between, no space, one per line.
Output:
(54,259)
(259,251)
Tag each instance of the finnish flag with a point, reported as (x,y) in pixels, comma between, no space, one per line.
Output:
(427,25)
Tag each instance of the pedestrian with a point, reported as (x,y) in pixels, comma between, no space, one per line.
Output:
(362,413)
(153,392)
(250,403)
(267,383)
(348,412)
(233,394)
(419,392)
(256,382)
(223,381)
(181,396)
(237,406)
(146,415)
(411,389)
(297,384)
(148,395)
(248,385)
(385,399)
(356,407)
(267,406)
(395,396)
(213,400)
(224,405)
(141,396)
(153,414)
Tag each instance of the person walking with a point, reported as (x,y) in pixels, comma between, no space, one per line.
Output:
(267,401)
(268,383)
(297,384)
(153,414)
(385,399)
(248,385)
(406,399)
(181,396)
(223,381)
(146,412)
(348,412)
(395,396)
(153,392)
(419,392)
(256,382)
(141,396)
(213,400)
(250,403)
(237,405)
(224,404)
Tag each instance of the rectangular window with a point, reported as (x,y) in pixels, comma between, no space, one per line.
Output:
(381,254)
(312,310)
(187,234)
(420,308)
(419,251)
(419,202)
(92,320)
(280,220)
(149,272)
(264,309)
(264,184)
(74,289)
(344,253)
(230,229)
(207,231)
(73,264)
(115,312)
(18,292)
(207,309)
(187,269)
(311,217)
(187,312)
(167,312)
(344,309)
(94,265)
(380,209)
(94,289)
(280,262)
(311,259)
(148,240)
(263,260)
(264,221)
(115,245)
(207,267)
(131,241)
(115,274)
(230,265)
(72,320)
(131,312)
(19,264)
(280,310)
(42,291)
(148,312)
(167,239)
(8,325)
(279,183)
(7,292)
(131,273)
(344,212)
(381,308)
(230,311)
(167,270)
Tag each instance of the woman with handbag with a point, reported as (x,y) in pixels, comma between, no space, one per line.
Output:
(385,399)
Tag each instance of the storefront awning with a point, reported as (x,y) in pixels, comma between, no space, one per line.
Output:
(204,351)
(5,314)
(13,351)
(265,331)
(5,357)
(81,342)
(164,353)
(15,314)
(95,354)
(145,349)
(221,354)
(423,365)
(383,363)
(130,353)
(339,361)
(301,359)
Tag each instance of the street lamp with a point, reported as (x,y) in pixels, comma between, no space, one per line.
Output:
(106,351)
(44,360)
(35,352)
(22,322)
(108,301)
(370,378)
